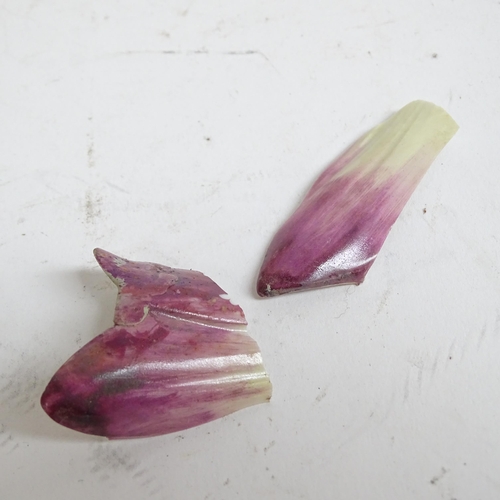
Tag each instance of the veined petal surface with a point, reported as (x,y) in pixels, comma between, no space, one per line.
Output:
(178,356)
(336,233)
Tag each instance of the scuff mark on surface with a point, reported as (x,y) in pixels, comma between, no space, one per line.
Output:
(320,396)
(374,25)
(438,477)
(435,364)
(114,459)
(406,389)
(269,446)
(482,334)
(107,461)
(202,51)
(117,188)
(93,203)
(383,302)
(452,348)
(342,309)
(90,147)
(21,391)
(423,368)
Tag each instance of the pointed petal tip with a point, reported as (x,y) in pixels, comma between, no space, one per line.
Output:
(105,258)
(69,411)
(100,254)
(113,265)
(102,257)
(263,290)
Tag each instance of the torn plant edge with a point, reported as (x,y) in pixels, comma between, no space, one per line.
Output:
(178,356)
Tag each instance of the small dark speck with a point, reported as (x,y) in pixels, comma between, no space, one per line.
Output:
(434,56)
(451,357)
(424,210)
(369,53)
(208,139)
(226,482)
(23,234)
(439,476)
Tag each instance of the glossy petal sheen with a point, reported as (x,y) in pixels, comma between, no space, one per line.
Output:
(178,356)
(336,233)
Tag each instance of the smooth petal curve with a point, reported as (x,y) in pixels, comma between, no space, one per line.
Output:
(336,233)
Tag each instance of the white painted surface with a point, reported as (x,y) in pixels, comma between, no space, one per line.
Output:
(185,132)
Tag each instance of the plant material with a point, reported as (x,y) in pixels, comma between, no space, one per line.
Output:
(178,356)
(336,233)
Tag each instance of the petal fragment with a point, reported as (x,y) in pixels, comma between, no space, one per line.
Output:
(336,233)
(178,356)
